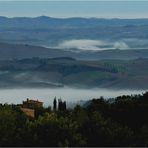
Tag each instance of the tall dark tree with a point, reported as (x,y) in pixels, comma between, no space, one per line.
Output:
(55,104)
(64,105)
(59,104)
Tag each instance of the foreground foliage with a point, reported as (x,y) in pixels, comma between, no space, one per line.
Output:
(116,122)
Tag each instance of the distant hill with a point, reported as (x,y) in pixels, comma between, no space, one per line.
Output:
(21,51)
(48,31)
(42,52)
(64,71)
(18,51)
(49,22)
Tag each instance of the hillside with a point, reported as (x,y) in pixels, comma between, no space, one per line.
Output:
(60,72)
(106,53)
(51,32)
(21,51)
(50,22)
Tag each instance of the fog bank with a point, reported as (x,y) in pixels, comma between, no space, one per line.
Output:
(94,45)
(68,94)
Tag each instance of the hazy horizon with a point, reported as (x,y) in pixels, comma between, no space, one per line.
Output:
(38,16)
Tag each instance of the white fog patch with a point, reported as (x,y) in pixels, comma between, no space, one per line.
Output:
(82,44)
(68,94)
(120,45)
(94,45)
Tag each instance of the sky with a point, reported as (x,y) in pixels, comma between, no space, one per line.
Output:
(65,9)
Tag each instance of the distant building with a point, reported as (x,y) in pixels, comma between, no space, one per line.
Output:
(28,107)
(29,112)
(31,104)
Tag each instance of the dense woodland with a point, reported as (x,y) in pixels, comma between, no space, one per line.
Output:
(120,121)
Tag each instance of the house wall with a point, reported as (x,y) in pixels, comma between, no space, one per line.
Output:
(29,112)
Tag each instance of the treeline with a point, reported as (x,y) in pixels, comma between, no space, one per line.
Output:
(121,121)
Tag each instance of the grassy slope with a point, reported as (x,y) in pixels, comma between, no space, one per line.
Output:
(64,71)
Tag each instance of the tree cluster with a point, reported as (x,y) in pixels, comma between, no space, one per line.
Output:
(121,121)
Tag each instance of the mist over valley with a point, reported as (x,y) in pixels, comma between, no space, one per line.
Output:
(75,32)
(78,53)
(72,96)
(73,73)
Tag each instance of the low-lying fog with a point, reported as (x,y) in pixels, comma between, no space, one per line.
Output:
(70,95)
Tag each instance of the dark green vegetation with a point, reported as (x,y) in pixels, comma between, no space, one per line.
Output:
(59,72)
(116,122)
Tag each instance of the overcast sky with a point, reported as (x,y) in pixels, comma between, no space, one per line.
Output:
(100,9)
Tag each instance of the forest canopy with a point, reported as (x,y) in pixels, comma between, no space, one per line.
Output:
(120,121)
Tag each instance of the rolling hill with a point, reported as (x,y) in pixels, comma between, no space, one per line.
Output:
(60,72)
(21,51)
(50,32)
